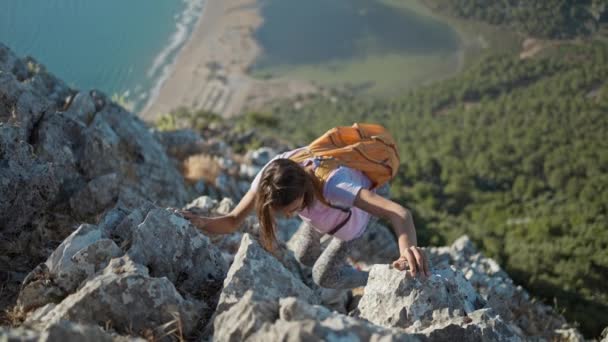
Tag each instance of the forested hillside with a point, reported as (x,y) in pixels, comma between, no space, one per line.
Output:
(512,152)
(540,18)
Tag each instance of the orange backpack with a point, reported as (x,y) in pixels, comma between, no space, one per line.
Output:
(369,148)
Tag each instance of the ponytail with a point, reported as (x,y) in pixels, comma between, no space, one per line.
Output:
(282,182)
(267,222)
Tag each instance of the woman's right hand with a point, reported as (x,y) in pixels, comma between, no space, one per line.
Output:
(187,214)
(225,224)
(196,220)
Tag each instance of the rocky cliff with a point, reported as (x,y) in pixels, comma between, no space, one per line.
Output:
(90,251)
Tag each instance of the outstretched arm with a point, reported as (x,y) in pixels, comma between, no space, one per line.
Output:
(224,224)
(403,225)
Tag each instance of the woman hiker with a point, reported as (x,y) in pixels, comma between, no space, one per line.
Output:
(290,184)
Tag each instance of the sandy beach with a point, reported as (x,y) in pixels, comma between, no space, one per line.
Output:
(210,71)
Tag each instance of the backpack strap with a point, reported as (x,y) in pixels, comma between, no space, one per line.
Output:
(322,172)
(341,224)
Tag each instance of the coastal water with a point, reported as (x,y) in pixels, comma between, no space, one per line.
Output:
(123,48)
(126,48)
(353,40)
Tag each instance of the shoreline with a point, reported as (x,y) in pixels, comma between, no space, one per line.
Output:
(174,90)
(210,71)
(160,69)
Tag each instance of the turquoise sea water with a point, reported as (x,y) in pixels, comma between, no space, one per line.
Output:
(127,47)
(122,47)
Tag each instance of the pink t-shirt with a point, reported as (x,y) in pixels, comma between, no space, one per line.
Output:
(340,190)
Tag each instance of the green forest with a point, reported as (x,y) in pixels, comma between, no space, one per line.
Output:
(540,18)
(512,152)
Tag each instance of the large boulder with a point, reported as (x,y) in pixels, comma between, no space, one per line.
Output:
(295,319)
(83,253)
(261,278)
(128,147)
(68,156)
(181,253)
(256,270)
(299,321)
(126,296)
(442,306)
(512,302)
(395,298)
(171,247)
(149,259)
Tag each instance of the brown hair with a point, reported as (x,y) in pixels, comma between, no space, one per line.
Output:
(282,182)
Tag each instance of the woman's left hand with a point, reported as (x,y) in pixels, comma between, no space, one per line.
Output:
(416,259)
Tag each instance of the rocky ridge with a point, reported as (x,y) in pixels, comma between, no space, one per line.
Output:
(85,188)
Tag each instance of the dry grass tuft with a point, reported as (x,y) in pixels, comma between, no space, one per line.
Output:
(13,317)
(200,166)
(173,329)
